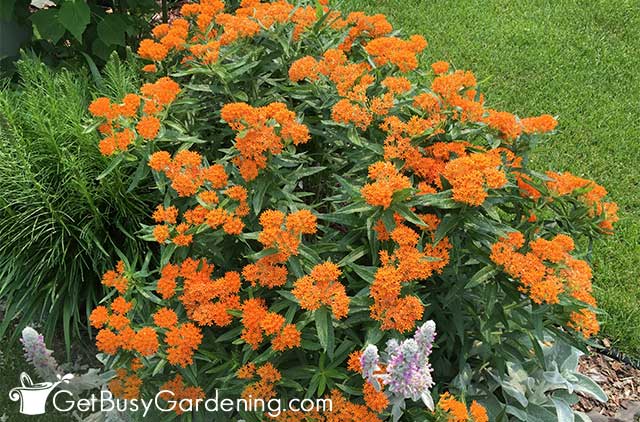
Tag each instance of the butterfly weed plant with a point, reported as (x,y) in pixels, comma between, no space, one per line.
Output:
(338,221)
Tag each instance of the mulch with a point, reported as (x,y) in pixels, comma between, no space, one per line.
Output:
(621,382)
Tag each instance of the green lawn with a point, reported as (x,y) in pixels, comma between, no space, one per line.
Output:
(579,60)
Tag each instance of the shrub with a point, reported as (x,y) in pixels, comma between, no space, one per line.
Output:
(65,29)
(60,224)
(324,195)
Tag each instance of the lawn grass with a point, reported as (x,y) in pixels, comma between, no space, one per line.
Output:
(579,60)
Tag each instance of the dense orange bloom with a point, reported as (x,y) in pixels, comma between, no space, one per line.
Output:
(346,112)
(263,388)
(547,271)
(354,364)
(396,51)
(440,67)
(152,50)
(120,305)
(288,338)
(125,385)
(167,284)
(365,26)
(471,175)
(387,180)
(208,301)
(541,124)
(107,341)
(258,322)
(116,278)
(183,340)
(375,400)
(146,341)
(397,84)
(457,410)
(261,131)
(167,215)
(99,317)
(180,392)
(393,311)
(101,107)
(587,191)
(478,412)
(585,322)
(322,288)
(149,68)
(148,127)
(505,123)
(304,68)
(165,318)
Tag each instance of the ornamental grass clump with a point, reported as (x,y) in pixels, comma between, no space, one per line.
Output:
(324,195)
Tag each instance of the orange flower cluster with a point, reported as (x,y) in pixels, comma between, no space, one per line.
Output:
(261,130)
(457,91)
(342,411)
(471,175)
(125,385)
(406,264)
(259,322)
(144,341)
(264,388)
(322,288)
(281,233)
(208,301)
(156,97)
(457,411)
(169,36)
(116,278)
(362,25)
(186,172)
(180,392)
(387,180)
(183,340)
(399,52)
(547,271)
(374,399)
(590,193)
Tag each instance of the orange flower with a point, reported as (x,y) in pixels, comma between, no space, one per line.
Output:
(116,278)
(396,51)
(262,130)
(387,181)
(99,317)
(161,233)
(120,305)
(152,50)
(471,174)
(180,392)
(397,84)
(478,412)
(440,67)
(541,124)
(167,283)
(165,318)
(288,338)
(107,342)
(322,288)
(146,341)
(183,340)
(125,385)
(148,127)
(457,410)
(346,112)
(375,400)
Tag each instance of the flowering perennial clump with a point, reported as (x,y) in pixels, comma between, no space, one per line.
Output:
(323,193)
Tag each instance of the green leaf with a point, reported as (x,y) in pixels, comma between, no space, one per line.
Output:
(74,15)
(484,274)
(111,30)
(324,327)
(47,24)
